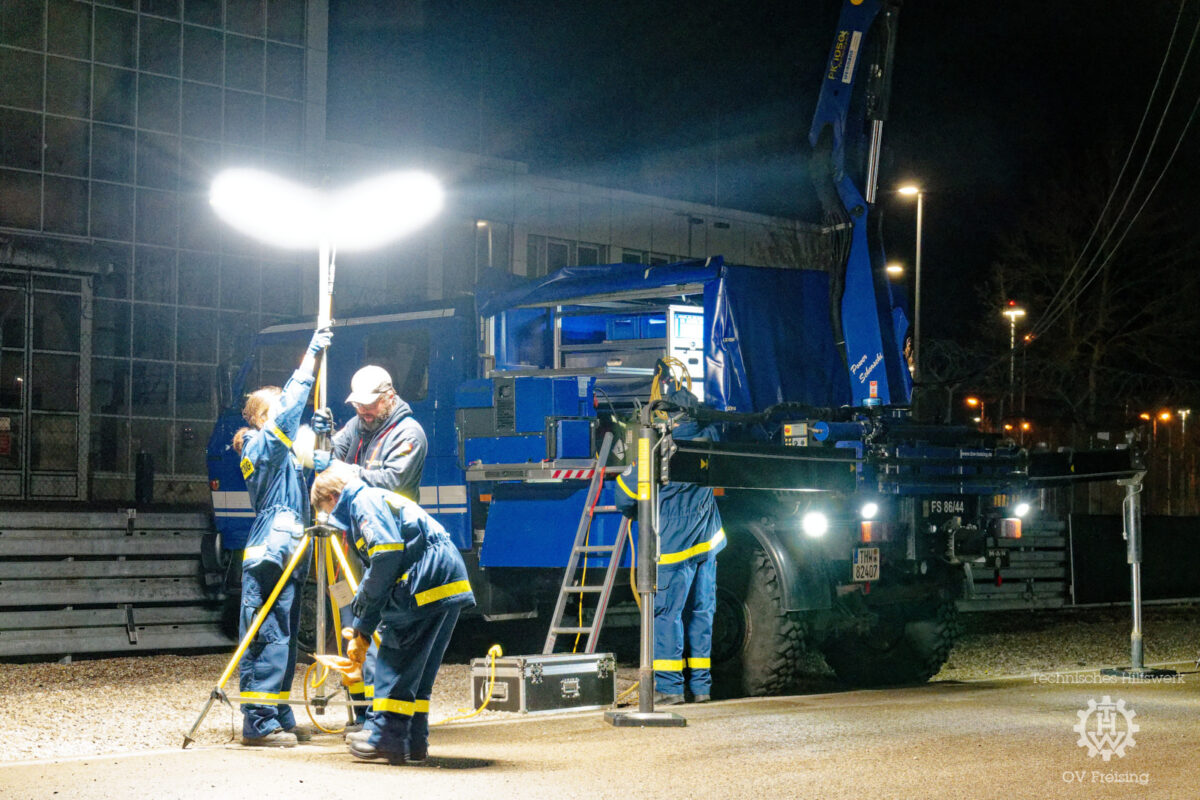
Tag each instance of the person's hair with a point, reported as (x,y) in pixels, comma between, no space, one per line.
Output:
(330,483)
(255,412)
(239,439)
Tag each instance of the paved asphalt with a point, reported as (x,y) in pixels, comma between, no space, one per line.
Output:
(1002,739)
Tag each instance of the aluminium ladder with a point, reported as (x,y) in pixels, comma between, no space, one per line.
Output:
(573,585)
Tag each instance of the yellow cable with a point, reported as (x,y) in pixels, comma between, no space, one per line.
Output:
(493,653)
(308,681)
(683,377)
(625,694)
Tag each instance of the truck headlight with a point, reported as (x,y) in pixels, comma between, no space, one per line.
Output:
(814,524)
(869,510)
(1021,510)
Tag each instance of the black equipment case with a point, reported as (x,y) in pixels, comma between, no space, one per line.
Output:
(540,683)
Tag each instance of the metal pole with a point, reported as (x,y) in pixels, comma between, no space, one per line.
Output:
(917,291)
(1133,555)
(1012,360)
(1132,509)
(647,578)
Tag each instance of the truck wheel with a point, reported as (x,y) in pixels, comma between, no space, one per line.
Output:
(908,644)
(757,647)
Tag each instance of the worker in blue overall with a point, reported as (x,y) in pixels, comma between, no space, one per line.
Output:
(414,587)
(386,446)
(278,492)
(690,536)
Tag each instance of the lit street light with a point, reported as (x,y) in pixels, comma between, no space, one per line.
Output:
(912,190)
(974,403)
(895,270)
(1013,312)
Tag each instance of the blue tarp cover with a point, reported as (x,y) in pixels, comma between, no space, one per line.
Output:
(769,337)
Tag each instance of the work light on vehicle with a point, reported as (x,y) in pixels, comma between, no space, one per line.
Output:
(869,510)
(814,524)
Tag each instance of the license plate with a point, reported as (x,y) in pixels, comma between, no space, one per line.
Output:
(865,566)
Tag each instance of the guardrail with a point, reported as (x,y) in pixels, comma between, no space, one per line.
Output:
(74,582)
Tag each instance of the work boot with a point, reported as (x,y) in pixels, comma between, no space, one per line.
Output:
(701,698)
(369,752)
(360,736)
(276,738)
(354,727)
(418,754)
(661,699)
(303,733)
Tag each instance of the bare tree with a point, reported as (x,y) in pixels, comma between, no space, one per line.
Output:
(1126,307)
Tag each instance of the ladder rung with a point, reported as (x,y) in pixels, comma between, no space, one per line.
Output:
(584,589)
(596,548)
(571,630)
(605,510)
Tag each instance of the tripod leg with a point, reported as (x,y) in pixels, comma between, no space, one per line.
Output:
(251,633)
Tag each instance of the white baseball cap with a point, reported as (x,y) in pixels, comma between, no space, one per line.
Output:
(368,384)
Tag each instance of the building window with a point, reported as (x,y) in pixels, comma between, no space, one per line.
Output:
(545,254)
(493,246)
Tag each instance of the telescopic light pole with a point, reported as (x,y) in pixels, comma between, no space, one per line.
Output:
(363,216)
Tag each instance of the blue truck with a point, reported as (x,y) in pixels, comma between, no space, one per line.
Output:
(852,525)
(848,524)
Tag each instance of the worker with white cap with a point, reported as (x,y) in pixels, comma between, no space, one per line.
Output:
(384,441)
(386,447)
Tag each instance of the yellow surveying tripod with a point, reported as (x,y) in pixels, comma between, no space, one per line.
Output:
(330,548)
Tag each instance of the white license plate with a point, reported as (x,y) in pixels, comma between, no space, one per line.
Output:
(865,566)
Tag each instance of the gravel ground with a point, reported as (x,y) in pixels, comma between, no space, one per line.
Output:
(97,706)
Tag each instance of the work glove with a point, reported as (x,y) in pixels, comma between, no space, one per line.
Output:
(320,341)
(356,645)
(321,460)
(322,421)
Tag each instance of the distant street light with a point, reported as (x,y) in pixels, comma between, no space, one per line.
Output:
(977,403)
(912,190)
(1013,312)
(895,269)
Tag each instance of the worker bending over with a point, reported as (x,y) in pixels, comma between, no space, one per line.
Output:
(414,587)
(278,492)
(386,446)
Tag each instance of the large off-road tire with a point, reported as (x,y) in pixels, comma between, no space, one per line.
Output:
(908,644)
(757,647)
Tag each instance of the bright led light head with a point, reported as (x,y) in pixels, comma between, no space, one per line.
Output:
(869,510)
(285,214)
(814,524)
(1021,509)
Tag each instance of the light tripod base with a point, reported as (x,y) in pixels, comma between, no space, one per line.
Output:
(644,719)
(1139,673)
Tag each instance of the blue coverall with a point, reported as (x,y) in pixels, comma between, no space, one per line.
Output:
(279,495)
(390,457)
(413,590)
(690,536)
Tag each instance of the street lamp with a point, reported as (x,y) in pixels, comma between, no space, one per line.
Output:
(974,403)
(1014,312)
(895,270)
(912,190)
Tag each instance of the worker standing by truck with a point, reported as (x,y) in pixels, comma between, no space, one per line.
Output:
(414,587)
(275,481)
(690,533)
(385,446)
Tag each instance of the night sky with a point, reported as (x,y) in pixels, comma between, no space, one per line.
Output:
(711,102)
